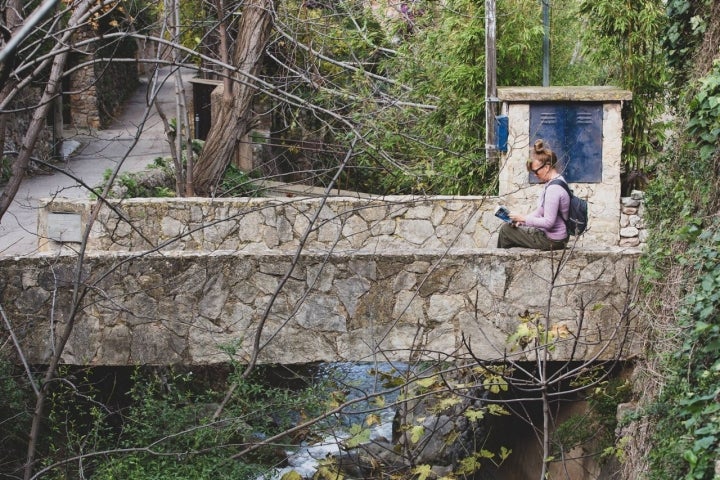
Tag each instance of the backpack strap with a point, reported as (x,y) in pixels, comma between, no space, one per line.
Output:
(562,183)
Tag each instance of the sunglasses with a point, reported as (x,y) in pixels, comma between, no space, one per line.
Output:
(536,170)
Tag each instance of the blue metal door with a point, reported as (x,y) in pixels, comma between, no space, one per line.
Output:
(574,132)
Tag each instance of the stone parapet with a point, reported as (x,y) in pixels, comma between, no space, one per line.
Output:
(335,224)
(203,308)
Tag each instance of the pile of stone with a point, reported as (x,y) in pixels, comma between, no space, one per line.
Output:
(632,225)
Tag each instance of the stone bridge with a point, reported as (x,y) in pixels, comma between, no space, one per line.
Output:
(297,278)
(196,281)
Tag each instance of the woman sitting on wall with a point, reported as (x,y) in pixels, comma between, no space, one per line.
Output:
(544,228)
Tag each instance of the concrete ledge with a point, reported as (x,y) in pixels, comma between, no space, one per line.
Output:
(564,94)
(195,307)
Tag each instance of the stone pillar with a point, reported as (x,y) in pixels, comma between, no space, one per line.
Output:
(603,196)
(84,111)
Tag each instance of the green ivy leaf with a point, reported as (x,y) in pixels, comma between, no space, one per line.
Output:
(422,471)
(474,415)
(416,433)
(359,434)
(504,453)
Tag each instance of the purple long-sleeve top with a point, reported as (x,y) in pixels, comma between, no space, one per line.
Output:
(545,216)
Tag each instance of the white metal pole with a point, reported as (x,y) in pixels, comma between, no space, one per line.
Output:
(490,79)
(546,42)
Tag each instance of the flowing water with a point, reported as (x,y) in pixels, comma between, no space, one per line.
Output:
(356,381)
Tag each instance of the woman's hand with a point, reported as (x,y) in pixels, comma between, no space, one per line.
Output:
(517,218)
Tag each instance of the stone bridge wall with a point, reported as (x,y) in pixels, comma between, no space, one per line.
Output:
(338,224)
(280,224)
(343,278)
(199,307)
(183,280)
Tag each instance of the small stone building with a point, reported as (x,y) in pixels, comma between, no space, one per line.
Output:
(583,125)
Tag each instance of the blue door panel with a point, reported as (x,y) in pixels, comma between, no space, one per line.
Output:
(547,121)
(583,143)
(574,132)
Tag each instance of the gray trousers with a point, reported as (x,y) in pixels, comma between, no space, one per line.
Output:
(527,237)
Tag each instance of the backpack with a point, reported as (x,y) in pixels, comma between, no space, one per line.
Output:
(577,221)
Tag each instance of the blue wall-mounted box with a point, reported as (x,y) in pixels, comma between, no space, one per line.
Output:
(501,132)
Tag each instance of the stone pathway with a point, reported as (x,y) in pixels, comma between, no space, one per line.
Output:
(90,154)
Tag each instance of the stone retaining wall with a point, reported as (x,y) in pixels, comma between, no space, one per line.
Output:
(195,307)
(100,88)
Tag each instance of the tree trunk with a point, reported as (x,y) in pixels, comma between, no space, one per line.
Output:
(52,88)
(235,112)
(37,124)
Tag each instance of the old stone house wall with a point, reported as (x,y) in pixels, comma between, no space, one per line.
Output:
(98,90)
(93,95)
